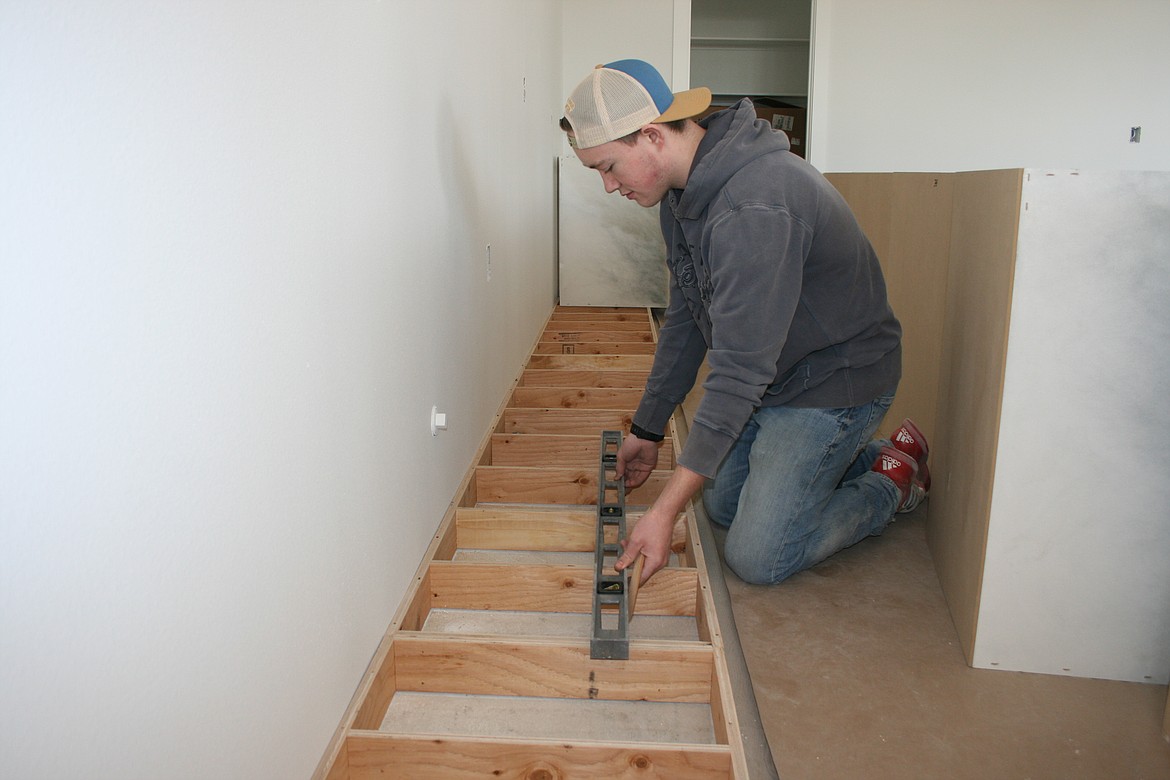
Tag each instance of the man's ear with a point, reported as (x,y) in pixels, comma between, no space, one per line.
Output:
(655,134)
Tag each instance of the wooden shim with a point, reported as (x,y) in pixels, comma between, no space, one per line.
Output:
(549,588)
(576,397)
(540,449)
(494,666)
(375,756)
(635,378)
(555,485)
(584,336)
(608,362)
(580,422)
(636,584)
(593,348)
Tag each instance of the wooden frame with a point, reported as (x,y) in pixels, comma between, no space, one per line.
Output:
(527,493)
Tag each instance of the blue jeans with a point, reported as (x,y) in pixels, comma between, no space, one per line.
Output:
(797,487)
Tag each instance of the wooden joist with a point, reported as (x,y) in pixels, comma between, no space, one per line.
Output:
(377,756)
(515,549)
(555,485)
(621,398)
(537,449)
(564,347)
(547,529)
(548,588)
(585,377)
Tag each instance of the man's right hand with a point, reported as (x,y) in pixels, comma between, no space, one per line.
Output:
(636,458)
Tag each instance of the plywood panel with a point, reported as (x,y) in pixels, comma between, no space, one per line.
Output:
(611,249)
(1077,577)
(907,218)
(979,288)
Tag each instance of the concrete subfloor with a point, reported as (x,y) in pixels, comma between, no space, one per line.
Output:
(858,673)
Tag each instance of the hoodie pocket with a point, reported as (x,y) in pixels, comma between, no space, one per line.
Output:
(799,373)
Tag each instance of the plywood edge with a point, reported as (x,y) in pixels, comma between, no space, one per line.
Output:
(985,226)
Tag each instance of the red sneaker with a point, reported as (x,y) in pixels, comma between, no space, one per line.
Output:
(910,440)
(902,469)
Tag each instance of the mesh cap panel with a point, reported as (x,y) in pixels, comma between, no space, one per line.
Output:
(607,105)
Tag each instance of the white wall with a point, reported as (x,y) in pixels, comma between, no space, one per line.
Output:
(242,253)
(906,85)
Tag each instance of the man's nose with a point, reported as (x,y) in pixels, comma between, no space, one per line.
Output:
(610,182)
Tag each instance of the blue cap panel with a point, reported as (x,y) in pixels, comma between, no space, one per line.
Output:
(648,77)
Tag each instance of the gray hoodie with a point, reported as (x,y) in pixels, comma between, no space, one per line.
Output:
(771,279)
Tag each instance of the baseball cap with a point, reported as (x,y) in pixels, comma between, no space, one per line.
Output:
(624,96)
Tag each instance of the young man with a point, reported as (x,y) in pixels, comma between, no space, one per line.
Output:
(773,282)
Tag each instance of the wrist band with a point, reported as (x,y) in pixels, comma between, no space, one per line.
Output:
(642,433)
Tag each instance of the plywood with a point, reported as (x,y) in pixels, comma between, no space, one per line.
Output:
(1166,720)
(907,218)
(1076,576)
(978,304)
(508,548)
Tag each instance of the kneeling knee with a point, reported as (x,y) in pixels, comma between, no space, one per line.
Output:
(753,569)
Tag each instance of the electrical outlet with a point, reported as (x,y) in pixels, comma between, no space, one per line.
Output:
(438,421)
(1135,135)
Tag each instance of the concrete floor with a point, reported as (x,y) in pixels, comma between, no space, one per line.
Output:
(858,673)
